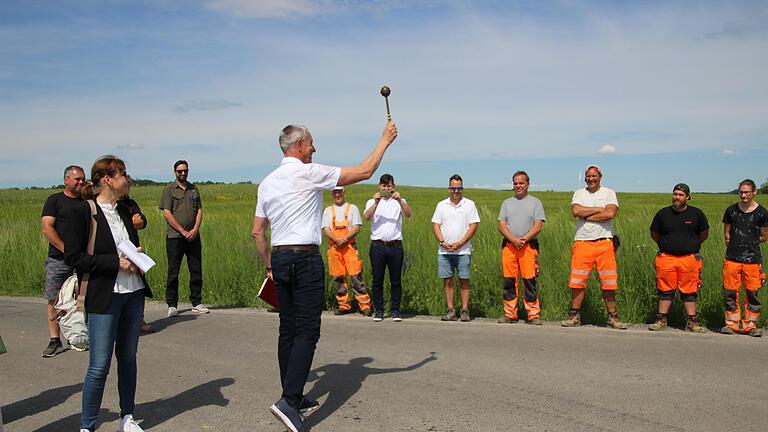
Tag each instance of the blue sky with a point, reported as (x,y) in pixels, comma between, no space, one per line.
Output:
(655,92)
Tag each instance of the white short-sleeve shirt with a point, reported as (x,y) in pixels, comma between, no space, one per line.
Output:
(454,223)
(354,215)
(586,230)
(387,222)
(125,282)
(291,199)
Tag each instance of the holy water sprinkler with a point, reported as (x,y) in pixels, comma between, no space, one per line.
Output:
(385,91)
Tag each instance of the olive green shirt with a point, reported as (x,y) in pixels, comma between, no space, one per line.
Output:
(182,203)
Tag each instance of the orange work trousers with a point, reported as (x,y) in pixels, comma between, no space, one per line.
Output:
(587,254)
(523,262)
(753,278)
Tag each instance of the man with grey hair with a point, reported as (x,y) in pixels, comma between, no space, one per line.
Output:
(290,201)
(53,226)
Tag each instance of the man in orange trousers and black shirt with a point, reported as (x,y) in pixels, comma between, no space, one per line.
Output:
(679,230)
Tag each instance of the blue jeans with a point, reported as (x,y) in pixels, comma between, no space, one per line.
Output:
(300,280)
(116,329)
(381,258)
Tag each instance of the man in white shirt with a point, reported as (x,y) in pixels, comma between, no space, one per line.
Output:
(341,223)
(290,201)
(454,224)
(386,209)
(594,207)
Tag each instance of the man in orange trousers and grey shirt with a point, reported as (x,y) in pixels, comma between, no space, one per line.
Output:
(341,223)
(746,226)
(594,207)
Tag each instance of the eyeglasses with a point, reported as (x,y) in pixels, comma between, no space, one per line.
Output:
(456,188)
(746,192)
(182,171)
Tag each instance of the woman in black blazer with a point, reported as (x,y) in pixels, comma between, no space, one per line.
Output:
(114,300)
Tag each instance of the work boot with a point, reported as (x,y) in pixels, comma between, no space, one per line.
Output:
(507,320)
(342,311)
(574,319)
(660,324)
(615,323)
(754,332)
(535,321)
(450,316)
(692,325)
(465,316)
(366,312)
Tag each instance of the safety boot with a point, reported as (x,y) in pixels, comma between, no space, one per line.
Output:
(660,324)
(574,320)
(692,325)
(615,323)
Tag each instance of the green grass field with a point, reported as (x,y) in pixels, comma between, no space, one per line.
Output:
(232,271)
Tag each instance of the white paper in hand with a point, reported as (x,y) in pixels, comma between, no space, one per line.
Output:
(139,259)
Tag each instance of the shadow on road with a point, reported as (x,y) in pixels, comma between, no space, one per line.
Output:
(341,381)
(39,403)
(164,323)
(152,414)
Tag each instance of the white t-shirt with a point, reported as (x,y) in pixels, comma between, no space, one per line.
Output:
(387,222)
(291,199)
(586,230)
(454,222)
(354,215)
(125,282)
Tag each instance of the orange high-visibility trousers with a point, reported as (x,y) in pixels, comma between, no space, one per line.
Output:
(587,254)
(753,278)
(523,262)
(678,272)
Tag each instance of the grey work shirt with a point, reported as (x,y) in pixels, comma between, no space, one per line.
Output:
(183,204)
(520,214)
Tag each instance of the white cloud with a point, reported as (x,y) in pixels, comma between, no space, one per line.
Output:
(728,152)
(607,149)
(268,8)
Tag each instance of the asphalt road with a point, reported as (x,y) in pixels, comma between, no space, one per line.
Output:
(218,372)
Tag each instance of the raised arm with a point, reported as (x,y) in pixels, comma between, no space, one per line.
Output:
(366,168)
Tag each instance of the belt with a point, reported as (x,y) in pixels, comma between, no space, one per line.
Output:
(390,243)
(599,239)
(296,248)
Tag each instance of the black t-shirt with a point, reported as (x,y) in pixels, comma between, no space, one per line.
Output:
(679,231)
(54,206)
(744,246)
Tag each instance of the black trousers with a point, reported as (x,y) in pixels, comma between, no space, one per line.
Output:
(300,281)
(381,258)
(175,249)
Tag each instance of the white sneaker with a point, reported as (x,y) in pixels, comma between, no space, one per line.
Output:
(201,309)
(172,311)
(128,424)
(84,430)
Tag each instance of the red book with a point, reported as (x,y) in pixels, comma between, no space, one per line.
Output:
(268,292)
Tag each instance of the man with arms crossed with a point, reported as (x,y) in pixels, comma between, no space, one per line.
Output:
(183,211)
(290,201)
(341,223)
(454,224)
(594,208)
(679,230)
(386,210)
(53,222)
(520,221)
(746,226)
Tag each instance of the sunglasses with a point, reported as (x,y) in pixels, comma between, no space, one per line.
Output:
(182,171)
(456,188)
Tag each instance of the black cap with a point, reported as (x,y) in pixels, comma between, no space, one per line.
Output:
(683,187)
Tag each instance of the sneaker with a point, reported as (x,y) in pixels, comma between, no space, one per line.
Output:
(366,312)
(574,320)
(615,323)
(660,324)
(128,424)
(308,405)
(754,332)
(464,316)
(507,320)
(201,309)
(53,348)
(172,311)
(535,321)
(288,415)
(450,316)
(396,316)
(727,330)
(342,311)
(378,316)
(146,327)
(79,346)
(692,325)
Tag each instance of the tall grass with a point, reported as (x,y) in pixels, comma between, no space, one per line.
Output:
(232,272)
